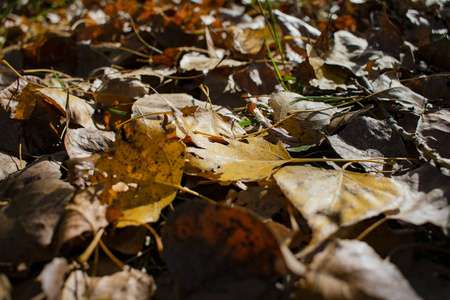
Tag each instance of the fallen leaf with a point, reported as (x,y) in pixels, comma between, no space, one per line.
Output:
(84,215)
(310,120)
(124,285)
(388,89)
(84,142)
(8,165)
(46,167)
(5,288)
(328,199)
(350,269)
(434,128)
(366,137)
(29,221)
(141,172)
(211,249)
(53,276)
(437,53)
(199,62)
(211,124)
(253,160)
(433,88)
(428,199)
(78,109)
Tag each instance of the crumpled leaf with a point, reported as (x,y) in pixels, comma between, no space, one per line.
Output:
(239,161)
(124,285)
(156,103)
(213,251)
(434,128)
(53,276)
(203,63)
(350,269)
(84,214)
(388,89)
(142,171)
(328,199)
(428,200)
(308,126)
(8,165)
(431,87)
(210,123)
(366,137)
(295,27)
(259,77)
(29,221)
(84,142)
(46,167)
(80,111)
(353,52)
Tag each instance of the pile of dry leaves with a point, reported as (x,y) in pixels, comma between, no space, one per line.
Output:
(224,149)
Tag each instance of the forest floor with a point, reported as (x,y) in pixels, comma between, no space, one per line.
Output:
(224,149)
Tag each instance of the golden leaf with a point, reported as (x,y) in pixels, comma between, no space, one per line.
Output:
(143,171)
(238,161)
(332,198)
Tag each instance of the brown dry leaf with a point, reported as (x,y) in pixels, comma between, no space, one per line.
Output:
(350,269)
(391,39)
(211,124)
(199,62)
(53,276)
(434,128)
(259,78)
(28,223)
(84,214)
(310,125)
(160,103)
(266,201)
(124,285)
(78,109)
(329,199)
(141,171)
(253,160)
(297,28)
(84,142)
(388,89)
(437,53)
(46,167)
(353,52)
(432,87)
(366,137)
(429,198)
(8,165)
(216,251)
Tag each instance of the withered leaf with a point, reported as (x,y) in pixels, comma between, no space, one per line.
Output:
(210,248)
(28,223)
(128,285)
(309,125)
(332,198)
(84,142)
(350,269)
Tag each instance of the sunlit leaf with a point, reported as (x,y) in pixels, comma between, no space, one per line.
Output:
(142,171)
(253,160)
(332,198)
(310,120)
